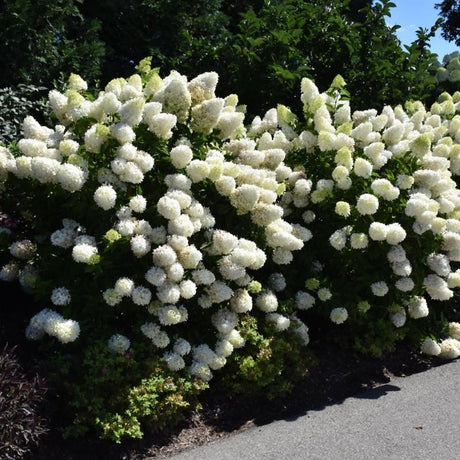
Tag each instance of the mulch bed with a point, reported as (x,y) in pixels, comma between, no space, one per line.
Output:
(340,374)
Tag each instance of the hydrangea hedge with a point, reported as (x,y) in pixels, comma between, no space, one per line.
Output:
(168,242)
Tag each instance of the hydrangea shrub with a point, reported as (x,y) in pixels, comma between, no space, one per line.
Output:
(153,215)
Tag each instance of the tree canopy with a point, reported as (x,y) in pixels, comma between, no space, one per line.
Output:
(450,12)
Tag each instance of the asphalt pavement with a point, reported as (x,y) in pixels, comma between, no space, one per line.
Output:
(415,417)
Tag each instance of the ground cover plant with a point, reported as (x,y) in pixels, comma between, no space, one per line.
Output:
(171,246)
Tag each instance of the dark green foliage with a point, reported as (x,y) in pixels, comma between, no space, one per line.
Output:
(15,104)
(41,39)
(261,49)
(20,397)
(171,31)
(290,39)
(449,10)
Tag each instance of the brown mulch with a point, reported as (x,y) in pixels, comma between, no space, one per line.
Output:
(340,374)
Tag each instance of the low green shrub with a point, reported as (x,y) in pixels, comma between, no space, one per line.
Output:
(270,363)
(121,395)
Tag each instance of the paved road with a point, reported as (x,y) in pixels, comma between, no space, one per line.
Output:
(415,417)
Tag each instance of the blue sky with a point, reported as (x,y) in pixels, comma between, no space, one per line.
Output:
(412,14)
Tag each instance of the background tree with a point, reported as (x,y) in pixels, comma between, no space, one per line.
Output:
(42,38)
(285,40)
(450,12)
(173,32)
(260,48)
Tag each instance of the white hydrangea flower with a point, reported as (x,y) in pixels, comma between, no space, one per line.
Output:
(182,347)
(405,284)
(164,256)
(138,204)
(404,181)
(141,295)
(230,270)
(123,133)
(450,348)
(338,239)
(95,137)
(45,169)
(71,177)
(53,324)
(304,300)
(359,240)
(277,282)
(169,315)
(280,322)
(396,254)
(181,156)
(367,204)
(105,197)
(430,347)
(156,276)
(190,257)
(32,147)
(219,292)
(338,315)
(124,286)
(224,242)
(203,86)
(10,272)
(342,208)
(224,321)
(385,189)
(245,197)
(168,207)
(187,289)
(308,217)
(437,288)
(203,276)
(454,330)
(324,294)
(82,253)
(125,227)
(241,302)
(131,112)
(181,225)
(439,263)
(362,168)
(60,296)
(282,256)
(417,307)
(398,318)
(395,234)
(111,297)
(267,301)
(119,344)
(140,245)
(175,272)
(379,288)
(378,231)
(66,331)
(23,249)
(174,361)
(168,293)
(200,370)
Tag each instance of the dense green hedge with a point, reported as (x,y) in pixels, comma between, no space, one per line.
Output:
(170,244)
